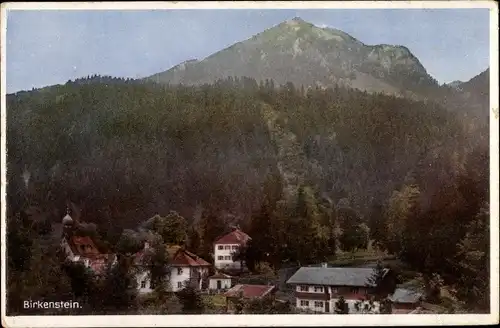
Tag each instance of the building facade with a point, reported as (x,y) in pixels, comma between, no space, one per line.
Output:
(226,246)
(184,269)
(317,289)
(220,281)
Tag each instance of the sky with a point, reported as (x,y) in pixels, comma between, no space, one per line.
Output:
(53,46)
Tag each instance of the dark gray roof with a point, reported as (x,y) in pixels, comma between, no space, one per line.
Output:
(403,295)
(331,276)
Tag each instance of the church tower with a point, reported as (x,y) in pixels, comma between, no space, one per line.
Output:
(68,224)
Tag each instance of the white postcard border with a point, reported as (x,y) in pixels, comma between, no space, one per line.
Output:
(268,320)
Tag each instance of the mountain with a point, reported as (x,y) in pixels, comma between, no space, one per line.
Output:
(471,97)
(299,52)
(455,84)
(479,85)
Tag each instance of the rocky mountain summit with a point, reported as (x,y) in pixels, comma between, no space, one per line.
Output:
(299,52)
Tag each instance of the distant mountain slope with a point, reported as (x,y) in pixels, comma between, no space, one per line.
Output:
(304,54)
(478,86)
(473,96)
(455,84)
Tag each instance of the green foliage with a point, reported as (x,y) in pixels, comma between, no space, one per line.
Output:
(401,206)
(238,304)
(172,228)
(365,307)
(341,306)
(377,225)
(249,254)
(128,243)
(116,146)
(193,240)
(211,227)
(42,279)
(354,237)
(19,242)
(377,277)
(118,288)
(310,237)
(267,305)
(385,306)
(191,300)
(157,263)
(473,260)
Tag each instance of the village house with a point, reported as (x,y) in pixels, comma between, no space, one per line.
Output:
(185,268)
(247,292)
(226,246)
(220,281)
(317,289)
(83,250)
(405,300)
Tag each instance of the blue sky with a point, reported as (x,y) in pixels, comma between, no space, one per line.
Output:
(50,47)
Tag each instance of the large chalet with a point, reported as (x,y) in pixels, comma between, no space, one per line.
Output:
(226,246)
(317,289)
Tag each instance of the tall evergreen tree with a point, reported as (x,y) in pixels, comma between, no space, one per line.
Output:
(191,300)
(341,306)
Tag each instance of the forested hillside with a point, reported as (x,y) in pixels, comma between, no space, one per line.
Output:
(299,164)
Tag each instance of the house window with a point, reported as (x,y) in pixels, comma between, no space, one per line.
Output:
(354,290)
(227,258)
(234,248)
(143,284)
(220,247)
(304,288)
(227,247)
(179,284)
(152,285)
(304,303)
(318,304)
(318,289)
(220,258)
(179,271)
(334,290)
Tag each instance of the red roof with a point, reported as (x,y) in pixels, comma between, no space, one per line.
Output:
(249,291)
(234,237)
(220,275)
(186,258)
(83,246)
(177,255)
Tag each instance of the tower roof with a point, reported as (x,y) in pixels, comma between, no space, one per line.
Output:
(67,219)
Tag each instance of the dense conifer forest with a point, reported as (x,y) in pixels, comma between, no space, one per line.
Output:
(305,172)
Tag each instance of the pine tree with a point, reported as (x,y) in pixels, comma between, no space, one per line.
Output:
(341,306)
(377,225)
(211,227)
(119,290)
(376,279)
(157,263)
(191,300)
(385,306)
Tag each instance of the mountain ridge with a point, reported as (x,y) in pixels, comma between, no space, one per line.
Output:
(302,53)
